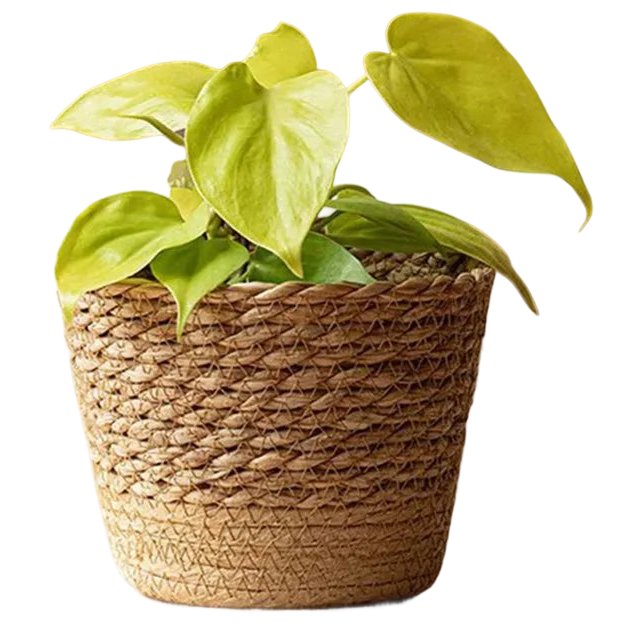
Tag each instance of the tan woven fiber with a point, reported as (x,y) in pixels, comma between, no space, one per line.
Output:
(299,448)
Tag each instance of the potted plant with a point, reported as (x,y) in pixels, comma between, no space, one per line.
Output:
(275,397)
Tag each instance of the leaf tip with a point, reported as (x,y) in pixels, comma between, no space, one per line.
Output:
(57,123)
(297,269)
(293,262)
(584,224)
(182,319)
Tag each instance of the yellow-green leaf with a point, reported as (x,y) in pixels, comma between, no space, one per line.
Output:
(192,270)
(265,159)
(453,81)
(281,54)
(114,110)
(116,237)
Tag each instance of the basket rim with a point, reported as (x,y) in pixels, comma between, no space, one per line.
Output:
(476,274)
(139,289)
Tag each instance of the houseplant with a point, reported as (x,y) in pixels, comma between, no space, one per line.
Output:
(274,398)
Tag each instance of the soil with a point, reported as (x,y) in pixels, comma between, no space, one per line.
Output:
(397,267)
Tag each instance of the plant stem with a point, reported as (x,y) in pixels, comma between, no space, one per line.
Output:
(168,134)
(356,84)
(320,223)
(214,224)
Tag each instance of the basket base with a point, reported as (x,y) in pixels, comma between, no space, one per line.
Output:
(271,610)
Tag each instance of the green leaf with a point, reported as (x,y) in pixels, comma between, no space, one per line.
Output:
(453,81)
(265,159)
(325,262)
(386,214)
(357,232)
(192,270)
(116,237)
(467,239)
(113,111)
(455,233)
(281,54)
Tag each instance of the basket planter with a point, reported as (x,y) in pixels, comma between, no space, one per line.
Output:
(299,448)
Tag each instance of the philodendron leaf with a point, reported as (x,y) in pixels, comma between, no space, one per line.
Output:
(453,81)
(116,237)
(265,159)
(451,232)
(192,270)
(464,238)
(281,54)
(324,262)
(384,213)
(114,110)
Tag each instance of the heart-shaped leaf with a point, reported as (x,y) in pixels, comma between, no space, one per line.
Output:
(265,159)
(451,232)
(116,237)
(165,92)
(324,262)
(386,214)
(281,54)
(192,270)
(453,81)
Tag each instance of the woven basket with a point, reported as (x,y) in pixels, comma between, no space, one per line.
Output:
(299,448)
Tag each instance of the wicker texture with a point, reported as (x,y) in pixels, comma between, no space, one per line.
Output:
(299,448)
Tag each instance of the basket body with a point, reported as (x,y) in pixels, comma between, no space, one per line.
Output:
(299,448)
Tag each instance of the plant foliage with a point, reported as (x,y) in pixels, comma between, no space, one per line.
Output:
(263,138)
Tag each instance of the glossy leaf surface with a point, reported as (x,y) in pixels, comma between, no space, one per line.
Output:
(265,159)
(116,237)
(453,81)
(165,92)
(324,262)
(192,270)
(451,232)
(281,54)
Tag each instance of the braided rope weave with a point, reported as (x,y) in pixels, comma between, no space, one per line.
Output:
(299,448)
